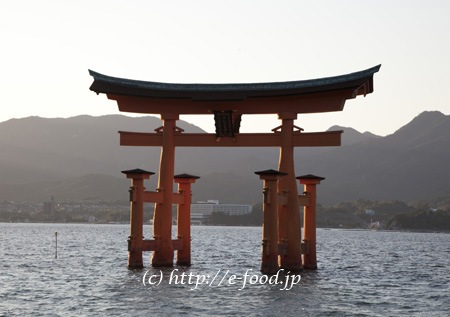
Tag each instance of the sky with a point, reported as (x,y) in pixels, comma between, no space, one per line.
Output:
(47,48)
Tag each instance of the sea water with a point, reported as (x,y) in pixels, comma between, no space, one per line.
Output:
(360,273)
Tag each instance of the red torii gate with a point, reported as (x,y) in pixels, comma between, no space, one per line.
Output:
(228,102)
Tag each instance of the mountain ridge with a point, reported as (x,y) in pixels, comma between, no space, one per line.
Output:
(40,155)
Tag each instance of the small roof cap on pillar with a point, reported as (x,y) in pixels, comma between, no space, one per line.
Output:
(137,171)
(186,176)
(270,172)
(310,176)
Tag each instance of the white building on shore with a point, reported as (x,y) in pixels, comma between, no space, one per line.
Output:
(201,211)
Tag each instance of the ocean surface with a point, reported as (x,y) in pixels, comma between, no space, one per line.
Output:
(361,273)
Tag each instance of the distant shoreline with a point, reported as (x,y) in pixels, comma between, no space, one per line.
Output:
(323,228)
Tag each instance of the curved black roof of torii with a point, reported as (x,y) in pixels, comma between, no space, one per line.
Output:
(136,88)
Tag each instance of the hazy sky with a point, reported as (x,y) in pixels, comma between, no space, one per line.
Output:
(47,48)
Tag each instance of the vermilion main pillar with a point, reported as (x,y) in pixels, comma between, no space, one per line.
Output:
(309,219)
(162,219)
(289,230)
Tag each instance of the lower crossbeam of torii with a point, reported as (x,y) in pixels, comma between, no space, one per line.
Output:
(282,238)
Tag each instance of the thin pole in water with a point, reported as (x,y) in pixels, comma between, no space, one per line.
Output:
(56,244)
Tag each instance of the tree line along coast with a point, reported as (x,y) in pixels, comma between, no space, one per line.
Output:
(429,215)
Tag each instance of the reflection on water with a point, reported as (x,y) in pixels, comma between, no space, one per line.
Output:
(365,273)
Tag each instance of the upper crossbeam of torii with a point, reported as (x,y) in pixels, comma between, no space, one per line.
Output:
(228,102)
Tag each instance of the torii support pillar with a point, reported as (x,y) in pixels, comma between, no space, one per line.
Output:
(289,231)
(184,218)
(269,262)
(309,220)
(135,240)
(162,219)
